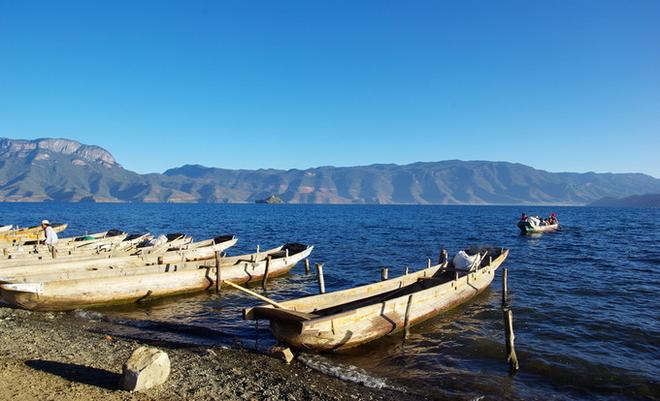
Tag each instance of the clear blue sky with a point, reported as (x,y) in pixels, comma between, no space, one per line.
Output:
(558,85)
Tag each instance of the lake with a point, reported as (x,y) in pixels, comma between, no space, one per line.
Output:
(585,299)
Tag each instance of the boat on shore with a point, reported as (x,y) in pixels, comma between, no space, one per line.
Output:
(21,235)
(344,319)
(81,244)
(6,228)
(132,245)
(35,276)
(186,253)
(64,295)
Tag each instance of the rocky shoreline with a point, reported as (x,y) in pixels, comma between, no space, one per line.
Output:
(49,356)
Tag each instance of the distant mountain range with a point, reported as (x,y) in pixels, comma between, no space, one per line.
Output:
(62,170)
(647,200)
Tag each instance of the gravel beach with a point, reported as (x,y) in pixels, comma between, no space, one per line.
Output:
(53,356)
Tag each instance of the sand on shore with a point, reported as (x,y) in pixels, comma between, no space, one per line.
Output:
(47,356)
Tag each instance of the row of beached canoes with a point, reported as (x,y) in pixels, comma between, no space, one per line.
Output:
(57,284)
(329,321)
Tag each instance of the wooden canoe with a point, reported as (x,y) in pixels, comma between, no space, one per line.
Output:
(134,245)
(84,244)
(345,319)
(192,252)
(92,292)
(21,235)
(5,228)
(111,271)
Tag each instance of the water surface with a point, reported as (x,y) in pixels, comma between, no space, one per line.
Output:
(585,299)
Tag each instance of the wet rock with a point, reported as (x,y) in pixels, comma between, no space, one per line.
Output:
(147,367)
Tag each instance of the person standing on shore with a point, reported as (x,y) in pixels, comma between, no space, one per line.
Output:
(51,237)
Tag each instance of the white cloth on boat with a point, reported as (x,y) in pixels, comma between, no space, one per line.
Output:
(463,261)
(534,221)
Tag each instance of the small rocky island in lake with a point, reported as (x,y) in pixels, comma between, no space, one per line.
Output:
(271,200)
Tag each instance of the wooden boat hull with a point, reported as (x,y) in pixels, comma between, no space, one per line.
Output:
(526,228)
(35,233)
(193,252)
(85,293)
(113,271)
(355,327)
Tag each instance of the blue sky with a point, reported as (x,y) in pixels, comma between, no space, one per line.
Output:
(558,85)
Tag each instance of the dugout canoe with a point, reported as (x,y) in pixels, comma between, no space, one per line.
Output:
(345,319)
(34,233)
(131,245)
(91,243)
(94,292)
(192,252)
(112,271)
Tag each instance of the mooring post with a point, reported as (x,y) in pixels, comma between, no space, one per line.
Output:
(218,278)
(319,270)
(407,270)
(160,260)
(511,357)
(384,273)
(263,282)
(306,266)
(406,321)
(443,256)
(428,263)
(505,286)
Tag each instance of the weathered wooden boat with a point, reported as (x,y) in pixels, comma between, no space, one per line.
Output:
(6,228)
(134,245)
(91,292)
(112,271)
(192,252)
(84,244)
(20,235)
(345,319)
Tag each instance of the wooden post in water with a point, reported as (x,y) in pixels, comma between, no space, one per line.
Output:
(510,337)
(407,270)
(511,357)
(218,278)
(265,279)
(319,269)
(384,272)
(428,263)
(505,286)
(306,266)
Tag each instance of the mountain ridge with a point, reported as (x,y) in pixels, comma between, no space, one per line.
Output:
(58,169)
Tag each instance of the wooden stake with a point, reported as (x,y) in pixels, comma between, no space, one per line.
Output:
(319,269)
(218,278)
(505,286)
(443,256)
(406,324)
(511,357)
(428,263)
(306,266)
(384,273)
(254,294)
(265,279)
(407,270)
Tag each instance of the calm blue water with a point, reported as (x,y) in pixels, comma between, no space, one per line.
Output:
(585,299)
